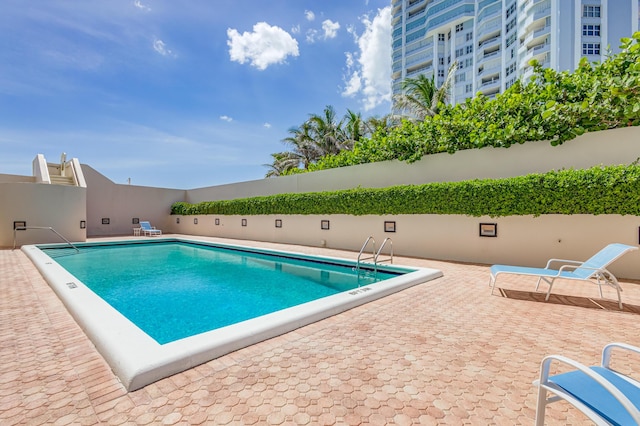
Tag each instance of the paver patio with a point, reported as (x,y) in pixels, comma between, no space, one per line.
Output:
(443,352)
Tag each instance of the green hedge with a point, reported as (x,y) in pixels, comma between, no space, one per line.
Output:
(598,190)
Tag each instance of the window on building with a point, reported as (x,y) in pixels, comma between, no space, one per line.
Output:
(440,73)
(469,36)
(590,48)
(468,62)
(468,88)
(510,83)
(459,52)
(591,11)
(591,30)
(469,49)
(510,25)
(460,77)
(460,27)
(440,37)
(511,39)
(510,69)
(511,10)
(449,35)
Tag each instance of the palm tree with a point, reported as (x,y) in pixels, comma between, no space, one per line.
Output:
(282,162)
(303,145)
(374,124)
(327,132)
(421,97)
(354,128)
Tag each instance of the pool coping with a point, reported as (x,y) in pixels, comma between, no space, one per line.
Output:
(138,360)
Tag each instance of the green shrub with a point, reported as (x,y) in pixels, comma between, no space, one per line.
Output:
(598,190)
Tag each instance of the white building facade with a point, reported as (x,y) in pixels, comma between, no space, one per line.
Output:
(493,41)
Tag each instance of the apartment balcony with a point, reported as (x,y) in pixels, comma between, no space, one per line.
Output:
(419,70)
(490,88)
(414,3)
(530,4)
(416,13)
(419,45)
(489,12)
(535,19)
(490,70)
(538,52)
(490,42)
(536,37)
(486,54)
(423,56)
(489,27)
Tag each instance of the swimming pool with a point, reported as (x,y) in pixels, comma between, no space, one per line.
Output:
(123,328)
(217,286)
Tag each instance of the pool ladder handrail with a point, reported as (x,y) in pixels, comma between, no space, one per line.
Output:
(24,228)
(390,259)
(374,254)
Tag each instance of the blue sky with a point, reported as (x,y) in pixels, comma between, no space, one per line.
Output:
(182,94)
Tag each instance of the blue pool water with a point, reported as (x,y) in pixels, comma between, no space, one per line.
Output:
(175,290)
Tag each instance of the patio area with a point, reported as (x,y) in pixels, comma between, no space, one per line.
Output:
(443,352)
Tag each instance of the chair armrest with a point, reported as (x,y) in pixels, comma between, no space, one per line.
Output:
(606,352)
(608,386)
(575,262)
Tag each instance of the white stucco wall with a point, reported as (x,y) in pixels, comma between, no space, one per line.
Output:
(120,204)
(57,206)
(618,146)
(521,240)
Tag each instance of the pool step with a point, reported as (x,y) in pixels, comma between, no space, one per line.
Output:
(67,251)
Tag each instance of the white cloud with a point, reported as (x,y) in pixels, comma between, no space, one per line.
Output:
(161,47)
(311,35)
(330,28)
(267,125)
(265,46)
(226,118)
(296,29)
(354,84)
(369,70)
(309,15)
(141,6)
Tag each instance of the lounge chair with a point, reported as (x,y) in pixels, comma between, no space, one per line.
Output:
(149,230)
(604,395)
(592,270)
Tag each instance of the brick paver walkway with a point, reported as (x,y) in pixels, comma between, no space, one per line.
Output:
(443,352)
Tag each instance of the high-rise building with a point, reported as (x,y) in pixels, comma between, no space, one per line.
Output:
(493,41)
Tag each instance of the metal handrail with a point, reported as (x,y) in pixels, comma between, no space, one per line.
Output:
(390,260)
(24,228)
(364,246)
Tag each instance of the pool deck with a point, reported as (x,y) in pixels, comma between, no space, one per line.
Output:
(443,352)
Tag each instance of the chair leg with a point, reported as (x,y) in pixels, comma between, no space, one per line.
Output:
(492,283)
(549,291)
(541,405)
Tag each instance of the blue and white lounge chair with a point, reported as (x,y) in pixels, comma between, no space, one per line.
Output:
(149,230)
(592,270)
(604,395)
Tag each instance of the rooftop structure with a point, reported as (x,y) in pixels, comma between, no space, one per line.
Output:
(495,40)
